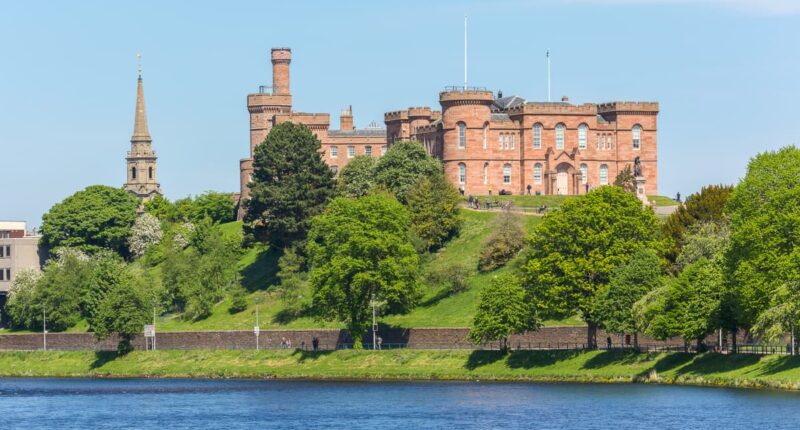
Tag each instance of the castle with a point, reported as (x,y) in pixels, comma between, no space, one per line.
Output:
(487,143)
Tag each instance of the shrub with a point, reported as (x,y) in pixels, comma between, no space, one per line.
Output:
(505,241)
(145,233)
(454,277)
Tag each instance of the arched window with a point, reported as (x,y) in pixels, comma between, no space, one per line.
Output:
(537,136)
(485,135)
(560,136)
(537,173)
(485,173)
(462,173)
(133,172)
(584,173)
(583,130)
(636,133)
(506,173)
(462,135)
(603,174)
(150,173)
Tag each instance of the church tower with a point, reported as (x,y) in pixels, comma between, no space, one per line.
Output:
(141,159)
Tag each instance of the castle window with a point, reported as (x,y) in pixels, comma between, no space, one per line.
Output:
(334,151)
(462,173)
(384,148)
(351,151)
(537,173)
(133,172)
(603,174)
(485,173)
(560,136)
(608,141)
(368,151)
(537,136)
(582,132)
(584,173)
(500,139)
(150,173)
(485,135)
(462,135)
(598,141)
(637,136)
(513,140)
(506,173)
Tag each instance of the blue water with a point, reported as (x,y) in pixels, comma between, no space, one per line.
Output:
(235,404)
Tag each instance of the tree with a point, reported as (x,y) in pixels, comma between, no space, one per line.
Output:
(628,284)
(124,311)
(624,179)
(98,217)
(782,317)
(764,211)
(574,251)
(505,241)
(433,204)
(703,240)
(502,311)
(402,166)
(291,183)
(107,272)
(706,206)
(145,233)
(357,249)
(218,207)
(357,178)
(161,208)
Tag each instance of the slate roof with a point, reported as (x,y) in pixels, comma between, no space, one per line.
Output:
(500,117)
(507,102)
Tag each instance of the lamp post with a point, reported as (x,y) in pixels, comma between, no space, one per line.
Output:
(44,326)
(374,325)
(154,323)
(257,329)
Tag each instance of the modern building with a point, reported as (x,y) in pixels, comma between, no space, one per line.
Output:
(19,251)
(273,105)
(141,160)
(489,144)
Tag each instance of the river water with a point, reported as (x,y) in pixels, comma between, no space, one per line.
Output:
(246,404)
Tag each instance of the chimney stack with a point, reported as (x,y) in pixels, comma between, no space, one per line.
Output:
(281,58)
(346,119)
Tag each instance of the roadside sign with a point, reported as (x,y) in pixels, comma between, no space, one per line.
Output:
(256,330)
(149,330)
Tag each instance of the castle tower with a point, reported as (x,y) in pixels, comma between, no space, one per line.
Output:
(141,159)
(465,112)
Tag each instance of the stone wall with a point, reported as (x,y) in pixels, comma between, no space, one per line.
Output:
(444,338)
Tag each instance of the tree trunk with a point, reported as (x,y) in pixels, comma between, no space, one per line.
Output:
(733,340)
(636,341)
(699,343)
(591,335)
(794,350)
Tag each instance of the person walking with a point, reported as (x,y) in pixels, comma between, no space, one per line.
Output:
(380,342)
(529,189)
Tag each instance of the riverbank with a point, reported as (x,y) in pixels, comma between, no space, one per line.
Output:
(541,366)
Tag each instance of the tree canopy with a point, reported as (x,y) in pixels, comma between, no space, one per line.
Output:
(98,217)
(357,178)
(402,166)
(291,183)
(502,311)
(708,205)
(434,207)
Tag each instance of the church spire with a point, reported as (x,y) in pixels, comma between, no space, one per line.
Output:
(140,132)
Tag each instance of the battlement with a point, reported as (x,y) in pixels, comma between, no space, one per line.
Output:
(266,99)
(628,107)
(417,112)
(559,108)
(312,120)
(281,55)
(398,115)
(468,94)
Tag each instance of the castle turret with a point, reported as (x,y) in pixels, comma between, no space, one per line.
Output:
(281,58)
(465,111)
(141,159)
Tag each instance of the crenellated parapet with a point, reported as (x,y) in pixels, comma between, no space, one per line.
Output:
(628,108)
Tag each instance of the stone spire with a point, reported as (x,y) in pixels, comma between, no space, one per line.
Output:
(141,160)
(140,132)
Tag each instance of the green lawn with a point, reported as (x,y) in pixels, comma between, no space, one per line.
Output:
(594,366)
(525,201)
(662,200)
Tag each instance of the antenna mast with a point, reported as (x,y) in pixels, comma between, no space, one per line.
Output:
(548,75)
(465,52)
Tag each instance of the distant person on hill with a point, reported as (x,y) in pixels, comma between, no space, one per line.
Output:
(608,342)
(470,200)
(489,201)
(529,189)
(315,343)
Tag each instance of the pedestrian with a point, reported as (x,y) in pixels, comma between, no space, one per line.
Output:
(461,190)
(469,205)
(283,343)
(587,187)
(608,342)
(490,189)
(380,342)
(315,343)
(529,189)
(303,345)
(488,201)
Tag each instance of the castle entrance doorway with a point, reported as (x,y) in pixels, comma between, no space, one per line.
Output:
(562,181)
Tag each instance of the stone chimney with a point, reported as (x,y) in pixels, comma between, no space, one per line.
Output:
(346,119)
(281,58)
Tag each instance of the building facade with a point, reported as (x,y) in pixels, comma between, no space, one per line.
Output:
(141,159)
(491,144)
(273,105)
(19,251)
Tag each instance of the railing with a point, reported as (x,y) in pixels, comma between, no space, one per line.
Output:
(462,89)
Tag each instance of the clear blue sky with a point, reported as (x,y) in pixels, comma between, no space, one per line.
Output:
(725,72)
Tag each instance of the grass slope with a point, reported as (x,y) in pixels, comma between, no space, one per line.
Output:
(595,366)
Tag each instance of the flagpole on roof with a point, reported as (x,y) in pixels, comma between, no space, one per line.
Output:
(548,75)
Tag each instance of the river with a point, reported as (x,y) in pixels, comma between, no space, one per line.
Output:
(247,404)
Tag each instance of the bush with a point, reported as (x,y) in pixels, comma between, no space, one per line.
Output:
(145,233)
(238,299)
(505,241)
(453,278)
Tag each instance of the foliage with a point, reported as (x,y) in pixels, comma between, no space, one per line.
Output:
(575,250)
(703,240)
(219,207)
(161,208)
(107,272)
(291,183)
(624,179)
(506,240)
(453,277)
(145,233)
(706,206)
(358,248)
(764,211)
(629,283)
(357,178)
(503,311)
(403,165)
(433,204)
(98,217)
(292,286)
(123,311)
(238,299)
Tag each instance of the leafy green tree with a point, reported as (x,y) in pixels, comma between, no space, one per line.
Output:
(629,283)
(238,299)
(358,248)
(403,165)
(161,208)
(703,240)
(433,204)
(291,184)
(764,211)
(124,311)
(98,217)
(184,209)
(218,207)
(505,241)
(357,178)
(709,205)
(107,272)
(624,179)
(575,250)
(502,311)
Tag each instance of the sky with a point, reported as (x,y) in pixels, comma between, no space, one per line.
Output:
(725,72)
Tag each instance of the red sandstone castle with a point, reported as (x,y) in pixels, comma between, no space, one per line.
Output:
(486,143)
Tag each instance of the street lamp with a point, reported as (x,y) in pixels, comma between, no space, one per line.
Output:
(257,329)
(374,325)
(44,326)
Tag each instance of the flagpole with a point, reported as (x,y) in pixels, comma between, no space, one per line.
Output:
(548,75)
(465,52)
